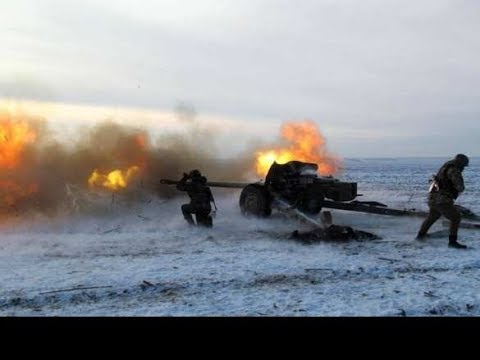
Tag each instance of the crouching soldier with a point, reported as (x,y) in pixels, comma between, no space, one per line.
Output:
(200,198)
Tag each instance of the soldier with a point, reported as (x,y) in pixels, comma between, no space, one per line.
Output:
(444,190)
(200,198)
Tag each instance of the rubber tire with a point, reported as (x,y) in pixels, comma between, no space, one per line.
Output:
(255,201)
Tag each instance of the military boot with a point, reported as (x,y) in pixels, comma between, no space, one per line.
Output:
(421,236)
(452,242)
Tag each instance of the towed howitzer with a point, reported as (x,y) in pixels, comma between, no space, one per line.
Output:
(296,185)
(294,182)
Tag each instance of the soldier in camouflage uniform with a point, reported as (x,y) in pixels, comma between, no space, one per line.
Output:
(445,188)
(200,198)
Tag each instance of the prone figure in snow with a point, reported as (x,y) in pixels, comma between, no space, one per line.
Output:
(331,232)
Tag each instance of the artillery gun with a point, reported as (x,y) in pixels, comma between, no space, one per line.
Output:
(296,189)
(297,184)
(294,183)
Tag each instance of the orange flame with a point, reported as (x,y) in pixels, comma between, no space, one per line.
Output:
(306,143)
(14,135)
(114,180)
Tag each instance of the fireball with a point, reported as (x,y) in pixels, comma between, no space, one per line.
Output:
(304,142)
(114,180)
(16,133)
(14,136)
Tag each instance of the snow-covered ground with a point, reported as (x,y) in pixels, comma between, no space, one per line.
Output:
(145,261)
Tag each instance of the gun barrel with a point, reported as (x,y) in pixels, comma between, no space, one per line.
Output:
(233,185)
(371,207)
(168,182)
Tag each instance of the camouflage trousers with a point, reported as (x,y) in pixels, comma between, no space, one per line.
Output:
(202,215)
(436,211)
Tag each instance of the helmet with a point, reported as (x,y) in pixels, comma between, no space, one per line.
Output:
(195,174)
(462,160)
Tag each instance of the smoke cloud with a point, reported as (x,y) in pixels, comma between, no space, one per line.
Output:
(110,162)
(40,173)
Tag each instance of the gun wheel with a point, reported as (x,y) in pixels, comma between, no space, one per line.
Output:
(255,200)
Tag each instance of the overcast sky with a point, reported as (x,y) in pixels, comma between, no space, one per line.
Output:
(379,77)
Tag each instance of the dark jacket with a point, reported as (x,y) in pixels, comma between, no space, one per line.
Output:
(450,182)
(199,193)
